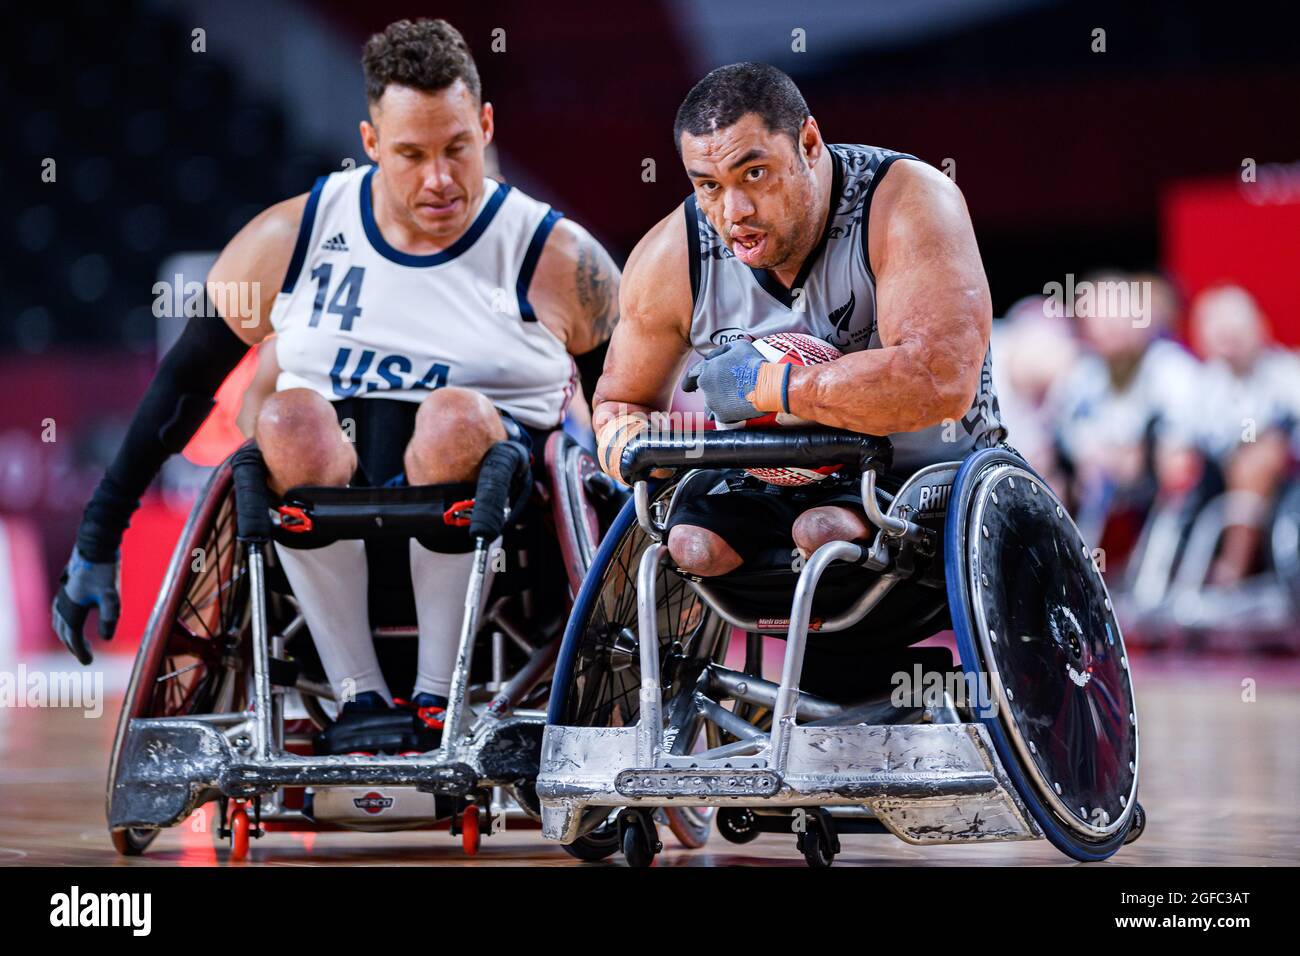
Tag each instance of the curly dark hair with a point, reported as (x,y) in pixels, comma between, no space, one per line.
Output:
(427,55)
(729,92)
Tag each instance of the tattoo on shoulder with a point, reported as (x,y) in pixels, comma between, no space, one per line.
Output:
(597,290)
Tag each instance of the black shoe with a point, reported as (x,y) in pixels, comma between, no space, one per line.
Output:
(428,712)
(368,726)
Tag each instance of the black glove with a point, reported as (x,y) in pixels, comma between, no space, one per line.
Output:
(84,585)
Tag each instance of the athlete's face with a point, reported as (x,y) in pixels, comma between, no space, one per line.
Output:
(429,147)
(758,189)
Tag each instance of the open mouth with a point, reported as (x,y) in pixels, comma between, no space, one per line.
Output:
(748,246)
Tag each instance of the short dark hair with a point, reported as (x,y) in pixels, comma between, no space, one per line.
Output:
(729,92)
(427,55)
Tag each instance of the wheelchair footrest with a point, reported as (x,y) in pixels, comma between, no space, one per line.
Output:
(170,766)
(714,783)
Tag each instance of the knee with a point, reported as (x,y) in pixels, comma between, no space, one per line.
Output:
(816,527)
(454,428)
(300,439)
(700,551)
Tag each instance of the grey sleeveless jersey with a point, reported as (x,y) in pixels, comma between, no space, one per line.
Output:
(833,298)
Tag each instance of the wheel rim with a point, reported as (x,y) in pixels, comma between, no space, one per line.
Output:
(179,666)
(207,621)
(1053,652)
(605,685)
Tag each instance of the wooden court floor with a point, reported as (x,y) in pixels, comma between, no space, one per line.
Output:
(1220,777)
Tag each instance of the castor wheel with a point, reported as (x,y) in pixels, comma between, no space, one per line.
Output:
(470,835)
(738,824)
(1138,825)
(818,842)
(639,837)
(239,828)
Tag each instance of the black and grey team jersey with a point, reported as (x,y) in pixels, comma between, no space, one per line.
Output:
(833,298)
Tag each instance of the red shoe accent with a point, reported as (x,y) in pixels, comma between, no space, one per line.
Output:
(432,717)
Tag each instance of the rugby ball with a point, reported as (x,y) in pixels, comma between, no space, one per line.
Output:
(791,348)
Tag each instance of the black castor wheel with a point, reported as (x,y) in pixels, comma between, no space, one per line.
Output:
(818,842)
(639,837)
(738,824)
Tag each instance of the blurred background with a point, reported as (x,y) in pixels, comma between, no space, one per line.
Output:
(1133,172)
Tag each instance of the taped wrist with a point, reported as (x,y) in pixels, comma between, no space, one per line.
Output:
(772,387)
(177,402)
(613,439)
(590,366)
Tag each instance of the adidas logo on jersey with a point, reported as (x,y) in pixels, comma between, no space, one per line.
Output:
(335,244)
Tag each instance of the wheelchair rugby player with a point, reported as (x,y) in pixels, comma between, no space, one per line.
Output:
(426,317)
(854,539)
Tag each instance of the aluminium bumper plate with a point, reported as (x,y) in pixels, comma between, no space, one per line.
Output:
(170,766)
(928,783)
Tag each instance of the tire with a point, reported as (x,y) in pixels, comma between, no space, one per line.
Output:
(201,609)
(598,844)
(996,550)
(638,844)
(816,849)
(690,825)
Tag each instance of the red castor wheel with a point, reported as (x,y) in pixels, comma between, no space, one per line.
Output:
(470,835)
(238,832)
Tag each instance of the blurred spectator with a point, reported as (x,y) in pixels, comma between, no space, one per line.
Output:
(1031,351)
(1124,412)
(1248,401)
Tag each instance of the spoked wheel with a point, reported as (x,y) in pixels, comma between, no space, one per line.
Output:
(598,676)
(1034,625)
(187,662)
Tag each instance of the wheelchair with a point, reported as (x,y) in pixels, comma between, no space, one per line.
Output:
(1167,595)
(227,691)
(647,711)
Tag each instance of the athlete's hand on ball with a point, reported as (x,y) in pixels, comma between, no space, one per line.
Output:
(86,585)
(739,384)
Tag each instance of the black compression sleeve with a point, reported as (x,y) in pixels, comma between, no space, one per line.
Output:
(590,365)
(178,400)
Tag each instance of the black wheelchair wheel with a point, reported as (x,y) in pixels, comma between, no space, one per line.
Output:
(183,667)
(599,843)
(598,674)
(1037,634)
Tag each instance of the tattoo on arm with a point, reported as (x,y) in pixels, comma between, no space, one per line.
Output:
(597,290)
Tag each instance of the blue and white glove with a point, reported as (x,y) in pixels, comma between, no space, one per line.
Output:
(739,384)
(86,585)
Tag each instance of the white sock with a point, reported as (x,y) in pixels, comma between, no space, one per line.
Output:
(332,588)
(440,582)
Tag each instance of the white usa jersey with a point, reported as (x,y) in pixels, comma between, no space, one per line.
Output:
(357,317)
